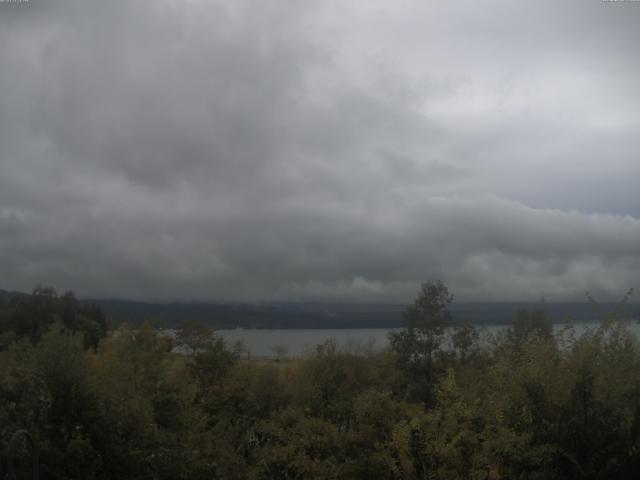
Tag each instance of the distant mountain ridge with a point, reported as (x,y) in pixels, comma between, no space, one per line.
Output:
(6,295)
(336,315)
(300,315)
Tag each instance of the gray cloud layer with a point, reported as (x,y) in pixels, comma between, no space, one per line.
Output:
(320,150)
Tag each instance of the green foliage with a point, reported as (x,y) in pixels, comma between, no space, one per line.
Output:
(31,316)
(44,389)
(529,322)
(418,345)
(464,341)
(534,404)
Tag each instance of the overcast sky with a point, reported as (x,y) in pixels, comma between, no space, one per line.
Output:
(320,150)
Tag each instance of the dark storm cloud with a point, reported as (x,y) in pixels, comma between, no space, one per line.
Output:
(326,150)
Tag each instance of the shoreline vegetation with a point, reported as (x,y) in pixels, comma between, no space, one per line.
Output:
(535,402)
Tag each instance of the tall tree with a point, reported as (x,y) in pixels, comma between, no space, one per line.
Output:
(420,341)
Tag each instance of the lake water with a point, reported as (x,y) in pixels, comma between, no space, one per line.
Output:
(262,343)
(293,343)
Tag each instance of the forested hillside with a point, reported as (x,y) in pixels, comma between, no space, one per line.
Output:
(528,404)
(333,315)
(303,315)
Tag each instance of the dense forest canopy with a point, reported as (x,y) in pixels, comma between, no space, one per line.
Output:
(31,316)
(531,403)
